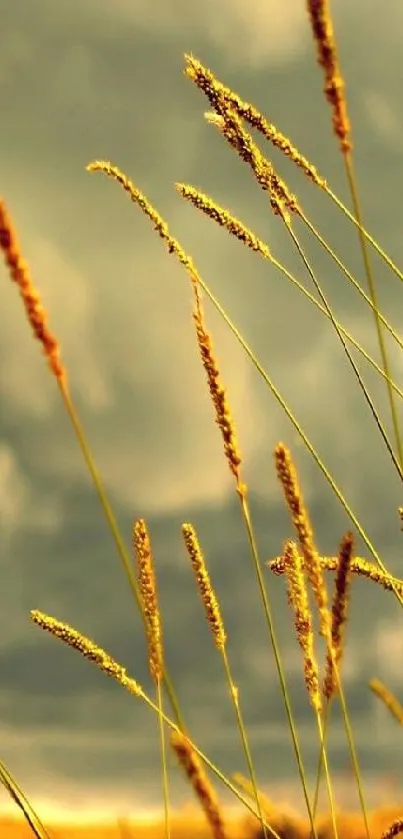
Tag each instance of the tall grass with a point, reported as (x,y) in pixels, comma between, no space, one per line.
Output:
(300,561)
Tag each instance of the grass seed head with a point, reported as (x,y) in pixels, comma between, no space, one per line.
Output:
(216,92)
(288,477)
(208,596)
(87,648)
(36,314)
(298,600)
(339,611)
(358,566)
(281,199)
(200,783)
(322,27)
(223,218)
(218,394)
(148,590)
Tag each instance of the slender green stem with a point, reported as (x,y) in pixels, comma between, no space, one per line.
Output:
(270,624)
(348,354)
(378,314)
(163,760)
(21,800)
(327,776)
(348,161)
(111,519)
(326,716)
(389,262)
(242,730)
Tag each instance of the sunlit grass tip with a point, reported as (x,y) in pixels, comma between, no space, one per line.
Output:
(36,314)
(148,588)
(322,28)
(298,600)
(339,611)
(287,475)
(207,593)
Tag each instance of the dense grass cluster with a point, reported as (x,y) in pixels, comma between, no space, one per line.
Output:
(300,561)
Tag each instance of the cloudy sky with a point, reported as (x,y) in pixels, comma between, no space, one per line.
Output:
(101,79)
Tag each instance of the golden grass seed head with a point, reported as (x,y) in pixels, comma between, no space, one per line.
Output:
(140,199)
(206,590)
(359,566)
(339,611)
(223,218)
(287,475)
(36,314)
(298,600)
(281,199)
(322,27)
(218,394)
(87,648)
(216,92)
(148,590)
(200,783)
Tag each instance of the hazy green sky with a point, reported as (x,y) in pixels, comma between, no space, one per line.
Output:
(102,79)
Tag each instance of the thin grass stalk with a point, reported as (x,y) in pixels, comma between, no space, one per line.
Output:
(113,525)
(322,27)
(108,665)
(19,797)
(339,617)
(353,282)
(164,762)
(216,624)
(148,589)
(357,373)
